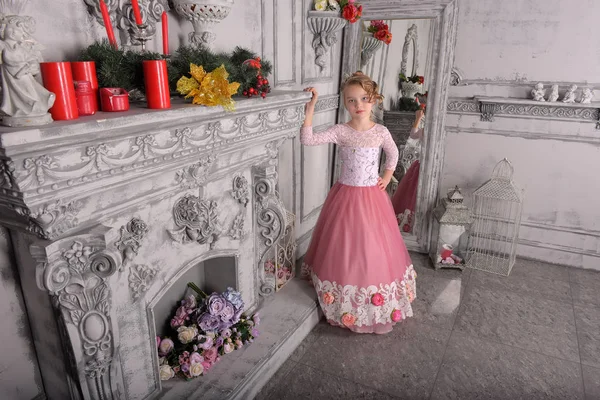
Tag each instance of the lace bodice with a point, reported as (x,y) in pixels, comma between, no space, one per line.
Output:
(359,151)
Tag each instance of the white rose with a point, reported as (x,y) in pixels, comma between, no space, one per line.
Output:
(228,348)
(166,373)
(321,5)
(162,360)
(196,369)
(187,333)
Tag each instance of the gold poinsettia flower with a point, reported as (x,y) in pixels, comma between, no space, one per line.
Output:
(209,89)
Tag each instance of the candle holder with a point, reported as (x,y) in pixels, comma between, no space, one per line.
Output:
(140,34)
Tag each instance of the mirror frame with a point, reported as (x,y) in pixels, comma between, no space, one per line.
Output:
(444,16)
(412,36)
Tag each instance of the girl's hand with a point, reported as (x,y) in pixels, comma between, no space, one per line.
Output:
(315,96)
(382,182)
(419,114)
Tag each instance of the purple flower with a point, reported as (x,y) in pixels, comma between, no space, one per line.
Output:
(228,312)
(234,298)
(185,367)
(215,304)
(205,342)
(196,358)
(255,332)
(256,319)
(237,316)
(189,302)
(220,342)
(166,345)
(226,333)
(208,322)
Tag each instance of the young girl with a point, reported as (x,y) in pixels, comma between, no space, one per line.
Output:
(405,198)
(357,260)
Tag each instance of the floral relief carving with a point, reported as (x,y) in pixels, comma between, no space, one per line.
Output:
(196,174)
(241,191)
(7,177)
(131,240)
(140,279)
(237,227)
(57,218)
(197,221)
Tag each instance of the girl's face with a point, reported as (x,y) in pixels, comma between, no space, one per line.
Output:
(356,101)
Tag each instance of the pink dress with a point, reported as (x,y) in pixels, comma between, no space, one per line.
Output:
(357,259)
(405,197)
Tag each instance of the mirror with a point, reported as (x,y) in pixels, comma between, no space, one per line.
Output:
(407,48)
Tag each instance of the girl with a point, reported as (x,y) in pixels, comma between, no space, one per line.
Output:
(357,260)
(405,198)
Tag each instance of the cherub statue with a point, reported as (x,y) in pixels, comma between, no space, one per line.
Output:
(570,95)
(553,93)
(538,92)
(24,100)
(586,96)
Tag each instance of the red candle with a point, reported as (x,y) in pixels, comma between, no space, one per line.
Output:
(58,79)
(156,81)
(86,71)
(165,33)
(107,24)
(136,12)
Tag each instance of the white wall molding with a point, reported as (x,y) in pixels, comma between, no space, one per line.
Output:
(526,134)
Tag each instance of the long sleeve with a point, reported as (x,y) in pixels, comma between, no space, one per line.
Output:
(391,151)
(309,138)
(416,133)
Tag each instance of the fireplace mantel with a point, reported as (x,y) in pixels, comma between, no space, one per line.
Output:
(108,212)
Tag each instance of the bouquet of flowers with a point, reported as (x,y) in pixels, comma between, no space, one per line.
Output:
(203,329)
(413,79)
(350,10)
(380,31)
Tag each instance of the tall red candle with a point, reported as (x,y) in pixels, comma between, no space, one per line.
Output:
(156,81)
(165,33)
(107,24)
(136,12)
(57,78)
(86,71)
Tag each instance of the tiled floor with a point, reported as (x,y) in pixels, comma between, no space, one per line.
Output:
(474,335)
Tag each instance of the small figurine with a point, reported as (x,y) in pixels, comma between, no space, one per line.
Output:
(539,92)
(25,101)
(570,95)
(586,96)
(553,94)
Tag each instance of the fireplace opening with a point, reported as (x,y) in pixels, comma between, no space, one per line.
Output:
(212,275)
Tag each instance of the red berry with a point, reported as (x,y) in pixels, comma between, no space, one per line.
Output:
(266,82)
(245,93)
(259,77)
(263,95)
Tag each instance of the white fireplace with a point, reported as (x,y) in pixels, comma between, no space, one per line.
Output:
(113,214)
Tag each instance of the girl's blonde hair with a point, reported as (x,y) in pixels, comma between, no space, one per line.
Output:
(365,82)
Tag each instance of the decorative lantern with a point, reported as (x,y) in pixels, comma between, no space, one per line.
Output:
(450,231)
(280,267)
(497,208)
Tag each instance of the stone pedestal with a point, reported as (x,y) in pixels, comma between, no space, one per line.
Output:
(111,211)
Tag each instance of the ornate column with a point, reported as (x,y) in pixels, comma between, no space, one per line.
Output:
(76,271)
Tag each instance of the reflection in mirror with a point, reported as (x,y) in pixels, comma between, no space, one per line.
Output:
(401,68)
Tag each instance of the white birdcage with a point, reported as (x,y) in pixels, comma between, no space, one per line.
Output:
(497,207)
(281,263)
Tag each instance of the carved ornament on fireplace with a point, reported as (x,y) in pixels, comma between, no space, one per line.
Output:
(198,221)
(131,240)
(195,175)
(76,272)
(241,191)
(58,217)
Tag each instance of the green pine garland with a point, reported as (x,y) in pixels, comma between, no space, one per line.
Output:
(123,69)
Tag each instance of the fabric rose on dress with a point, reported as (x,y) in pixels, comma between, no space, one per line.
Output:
(396,315)
(208,322)
(186,334)
(328,298)
(166,372)
(377,299)
(166,345)
(348,319)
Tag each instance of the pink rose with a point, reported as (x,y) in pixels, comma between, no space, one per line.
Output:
(377,299)
(166,345)
(328,298)
(348,319)
(206,365)
(396,315)
(210,354)
(196,358)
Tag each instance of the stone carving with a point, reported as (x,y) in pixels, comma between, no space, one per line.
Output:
(241,191)
(25,102)
(538,92)
(586,96)
(198,221)
(94,9)
(140,280)
(131,240)
(108,159)
(76,274)
(324,25)
(369,46)
(570,94)
(270,219)
(7,177)
(487,112)
(195,175)
(327,103)
(57,218)
(411,37)
(151,11)
(236,231)
(553,94)
(463,106)
(203,15)
(456,77)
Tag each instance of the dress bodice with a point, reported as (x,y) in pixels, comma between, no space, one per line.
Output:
(359,151)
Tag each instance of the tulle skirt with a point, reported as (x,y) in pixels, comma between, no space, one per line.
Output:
(358,261)
(405,198)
